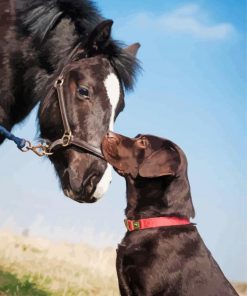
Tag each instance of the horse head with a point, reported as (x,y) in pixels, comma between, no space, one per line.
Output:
(93,92)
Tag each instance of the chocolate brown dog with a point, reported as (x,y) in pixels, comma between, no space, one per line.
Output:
(162,253)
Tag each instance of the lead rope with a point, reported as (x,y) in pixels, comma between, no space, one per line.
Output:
(20,143)
(24,145)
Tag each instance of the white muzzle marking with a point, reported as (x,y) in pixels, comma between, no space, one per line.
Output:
(112,86)
(104,183)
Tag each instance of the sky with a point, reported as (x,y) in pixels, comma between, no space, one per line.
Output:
(192,90)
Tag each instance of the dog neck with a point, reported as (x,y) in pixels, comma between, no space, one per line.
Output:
(150,198)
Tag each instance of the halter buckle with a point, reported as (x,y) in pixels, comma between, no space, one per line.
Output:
(66,139)
(136,225)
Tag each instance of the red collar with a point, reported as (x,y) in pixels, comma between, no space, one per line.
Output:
(155,222)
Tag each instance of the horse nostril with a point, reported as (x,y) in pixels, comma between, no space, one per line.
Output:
(88,184)
(89,180)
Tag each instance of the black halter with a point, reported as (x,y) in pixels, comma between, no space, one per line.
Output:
(68,138)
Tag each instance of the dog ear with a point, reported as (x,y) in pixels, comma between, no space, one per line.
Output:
(178,196)
(100,36)
(163,162)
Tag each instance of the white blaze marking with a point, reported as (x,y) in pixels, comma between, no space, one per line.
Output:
(112,86)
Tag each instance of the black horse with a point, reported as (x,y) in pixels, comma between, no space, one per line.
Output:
(37,41)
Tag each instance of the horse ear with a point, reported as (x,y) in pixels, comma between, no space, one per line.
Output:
(100,36)
(133,49)
(163,162)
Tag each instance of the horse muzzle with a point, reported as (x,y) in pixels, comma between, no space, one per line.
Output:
(88,188)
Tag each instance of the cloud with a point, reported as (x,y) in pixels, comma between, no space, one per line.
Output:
(190,20)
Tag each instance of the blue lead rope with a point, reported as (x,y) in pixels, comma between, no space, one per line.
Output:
(18,141)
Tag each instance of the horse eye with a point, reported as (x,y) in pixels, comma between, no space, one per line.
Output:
(83,92)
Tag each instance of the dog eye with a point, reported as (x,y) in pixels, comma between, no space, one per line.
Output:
(83,92)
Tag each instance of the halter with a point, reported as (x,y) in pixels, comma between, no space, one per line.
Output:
(68,138)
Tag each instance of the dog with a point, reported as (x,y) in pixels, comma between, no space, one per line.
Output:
(162,252)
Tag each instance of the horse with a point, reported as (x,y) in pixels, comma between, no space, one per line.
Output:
(60,54)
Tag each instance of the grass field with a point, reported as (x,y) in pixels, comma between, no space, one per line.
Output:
(32,266)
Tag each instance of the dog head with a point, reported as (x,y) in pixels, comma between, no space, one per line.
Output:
(147,156)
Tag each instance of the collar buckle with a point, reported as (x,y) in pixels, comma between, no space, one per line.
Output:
(136,224)
(132,224)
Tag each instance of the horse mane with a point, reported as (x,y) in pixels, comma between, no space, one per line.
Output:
(126,65)
(63,24)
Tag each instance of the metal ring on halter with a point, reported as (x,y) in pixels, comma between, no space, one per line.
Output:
(66,139)
(59,82)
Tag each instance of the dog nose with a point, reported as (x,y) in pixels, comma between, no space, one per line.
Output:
(110,134)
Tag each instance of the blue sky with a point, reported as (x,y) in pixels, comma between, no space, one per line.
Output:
(193,91)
